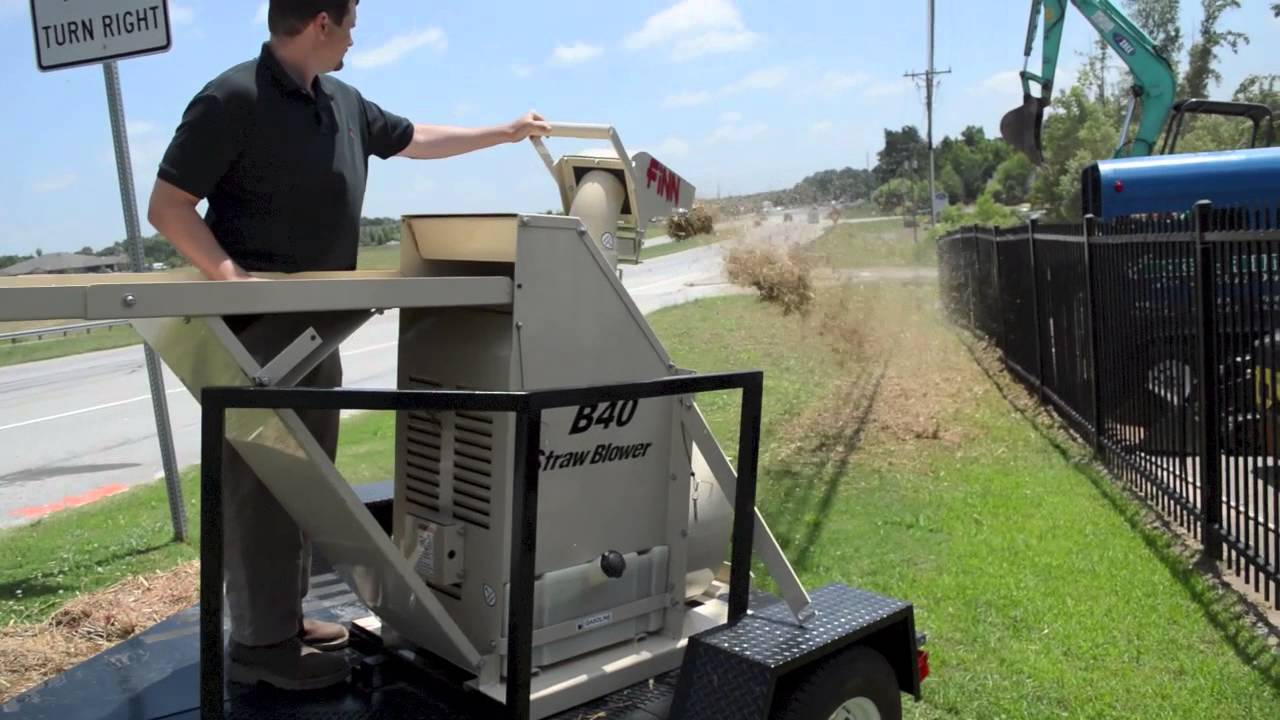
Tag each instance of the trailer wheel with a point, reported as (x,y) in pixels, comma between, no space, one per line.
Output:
(857,684)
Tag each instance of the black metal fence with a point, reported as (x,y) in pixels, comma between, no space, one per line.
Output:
(1136,331)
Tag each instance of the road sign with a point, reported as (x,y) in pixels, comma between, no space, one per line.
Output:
(70,33)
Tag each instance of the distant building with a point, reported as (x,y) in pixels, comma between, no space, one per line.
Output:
(67,264)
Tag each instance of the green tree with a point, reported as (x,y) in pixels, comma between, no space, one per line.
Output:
(1093,74)
(1203,58)
(901,195)
(986,211)
(949,182)
(905,153)
(39,252)
(1263,89)
(1079,133)
(973,158)
(1012,180)
(1159,19)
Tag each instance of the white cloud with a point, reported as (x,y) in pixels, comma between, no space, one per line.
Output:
(732,132)
(463,109)
(835,82)
(692,28)
(821,127)
(180,14)
(55,183)
(399,46)
(260,17)
(139,128)
(673,148)
(521,70)
(578,52)
(685,99)
(891,88)
(759,80)
(731,117)
(765,79)
(1003,83)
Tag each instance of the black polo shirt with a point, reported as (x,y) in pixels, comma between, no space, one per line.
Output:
(284,171)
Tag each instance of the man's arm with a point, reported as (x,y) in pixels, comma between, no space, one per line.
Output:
(431,142)
(173,213)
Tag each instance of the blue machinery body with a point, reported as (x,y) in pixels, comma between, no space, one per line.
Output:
(1174,183)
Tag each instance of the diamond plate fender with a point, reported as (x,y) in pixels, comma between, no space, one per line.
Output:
(733,671)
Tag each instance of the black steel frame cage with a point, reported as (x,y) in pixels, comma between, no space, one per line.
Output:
(527,407)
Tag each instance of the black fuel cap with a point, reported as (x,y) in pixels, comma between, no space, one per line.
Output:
(613,564)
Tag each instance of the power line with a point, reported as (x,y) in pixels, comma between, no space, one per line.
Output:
(929,76)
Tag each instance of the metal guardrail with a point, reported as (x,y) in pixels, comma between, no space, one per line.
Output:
(38,333)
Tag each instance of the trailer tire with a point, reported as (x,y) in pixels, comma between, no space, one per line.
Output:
(857,684)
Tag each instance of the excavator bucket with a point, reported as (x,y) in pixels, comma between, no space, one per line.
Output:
(1020,127)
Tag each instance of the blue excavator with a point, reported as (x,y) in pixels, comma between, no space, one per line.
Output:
(1155,86)
(1136,179)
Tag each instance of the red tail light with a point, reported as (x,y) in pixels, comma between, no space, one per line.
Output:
(922,664)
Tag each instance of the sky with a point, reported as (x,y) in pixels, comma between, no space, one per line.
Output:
(737,96)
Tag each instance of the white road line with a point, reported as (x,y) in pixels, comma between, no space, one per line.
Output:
(82,411)
(95,408)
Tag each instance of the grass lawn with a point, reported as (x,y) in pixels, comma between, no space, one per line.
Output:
(873,244)
(890,461)
(380,257)
(654,251)
(657,229)
(74,344)
(865,210)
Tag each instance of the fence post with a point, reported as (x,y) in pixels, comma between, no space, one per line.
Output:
(1210,462)
(1032,225)
(1090,230)
(973,280)
(998,320)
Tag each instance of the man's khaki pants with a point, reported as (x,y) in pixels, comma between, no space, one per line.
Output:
(268,559)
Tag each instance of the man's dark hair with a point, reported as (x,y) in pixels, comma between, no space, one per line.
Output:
(287,18)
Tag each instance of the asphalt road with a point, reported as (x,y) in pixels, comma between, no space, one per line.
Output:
(76,429)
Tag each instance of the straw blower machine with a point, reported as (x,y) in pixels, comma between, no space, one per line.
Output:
(562,527)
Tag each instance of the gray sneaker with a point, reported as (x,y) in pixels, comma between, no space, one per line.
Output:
(290,665)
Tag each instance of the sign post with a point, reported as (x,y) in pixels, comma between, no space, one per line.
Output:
(72,33)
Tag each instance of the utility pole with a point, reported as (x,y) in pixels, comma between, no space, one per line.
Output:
(929,82)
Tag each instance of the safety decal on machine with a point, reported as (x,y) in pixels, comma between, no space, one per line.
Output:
(594,621)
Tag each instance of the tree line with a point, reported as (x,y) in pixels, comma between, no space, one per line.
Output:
(157,249)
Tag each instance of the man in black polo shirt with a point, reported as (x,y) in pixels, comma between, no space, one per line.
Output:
(280,149)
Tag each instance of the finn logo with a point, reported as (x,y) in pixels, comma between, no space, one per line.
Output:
(1123,43)
(668,182)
